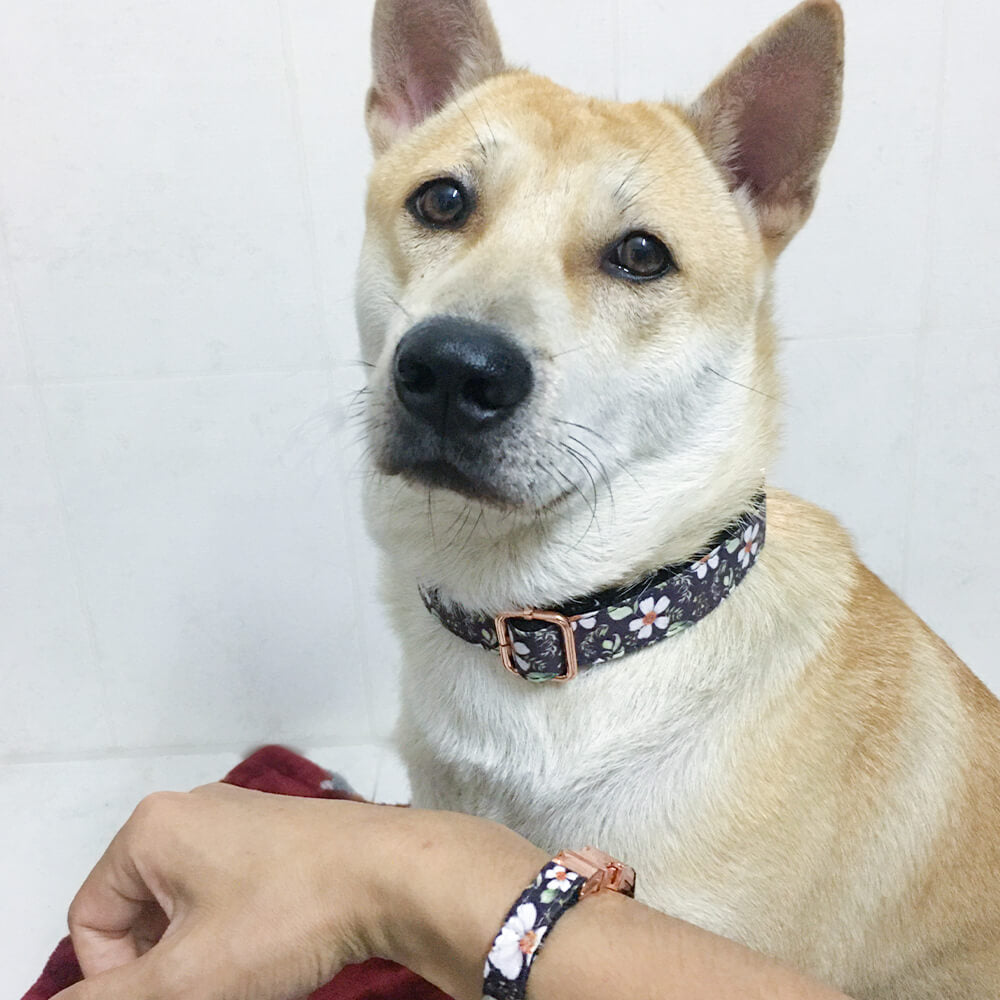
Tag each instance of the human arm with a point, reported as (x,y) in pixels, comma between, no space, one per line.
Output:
(266,897)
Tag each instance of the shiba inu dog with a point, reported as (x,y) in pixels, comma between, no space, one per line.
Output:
(564,304)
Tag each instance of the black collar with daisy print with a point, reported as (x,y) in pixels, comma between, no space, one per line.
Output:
(615,622)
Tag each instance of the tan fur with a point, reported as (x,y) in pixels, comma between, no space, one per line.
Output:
(884,718)
(809,770)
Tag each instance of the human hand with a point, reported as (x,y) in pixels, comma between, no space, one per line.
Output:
(228,894)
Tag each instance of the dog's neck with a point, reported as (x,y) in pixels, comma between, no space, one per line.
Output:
(492,560)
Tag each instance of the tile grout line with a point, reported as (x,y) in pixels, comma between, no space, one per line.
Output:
(42,414)
(616,52)
(305,186)
(239,750)
(379,765)
(292,83)
(192,376)
(923,329)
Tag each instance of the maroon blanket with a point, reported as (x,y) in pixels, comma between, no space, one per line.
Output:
(276,769)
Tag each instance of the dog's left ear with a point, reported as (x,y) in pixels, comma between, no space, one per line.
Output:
(770,119)
(424,52)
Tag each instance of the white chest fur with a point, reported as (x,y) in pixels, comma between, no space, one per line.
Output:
(635,756)
(720,763)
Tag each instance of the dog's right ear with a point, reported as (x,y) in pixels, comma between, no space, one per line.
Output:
(424,52)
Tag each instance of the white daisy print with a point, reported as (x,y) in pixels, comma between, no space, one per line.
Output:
(560,878)
(588,622)
(750,545)
(520,652)
(707,562)
(652,615)
(516,942)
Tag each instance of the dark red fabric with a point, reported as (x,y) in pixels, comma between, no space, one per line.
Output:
(281,771)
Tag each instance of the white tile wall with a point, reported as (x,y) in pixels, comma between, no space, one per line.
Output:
(576,44)
(953,546)
(182,569)
(147,234)
(966,210)
(13,363)
(54,697)
(831,456)
(211,547)
(62,41)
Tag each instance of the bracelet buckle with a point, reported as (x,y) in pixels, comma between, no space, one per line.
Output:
(602,872)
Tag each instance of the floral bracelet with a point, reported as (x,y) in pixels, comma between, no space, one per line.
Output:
(556,888)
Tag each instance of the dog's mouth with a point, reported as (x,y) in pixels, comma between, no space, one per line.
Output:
(469,467)
(500,469)
(442,474)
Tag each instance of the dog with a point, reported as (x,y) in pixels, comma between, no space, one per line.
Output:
(614,630)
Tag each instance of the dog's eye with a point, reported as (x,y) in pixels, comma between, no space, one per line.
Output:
(442,203)
(640,257)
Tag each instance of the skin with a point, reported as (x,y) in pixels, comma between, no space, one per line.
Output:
(170,912)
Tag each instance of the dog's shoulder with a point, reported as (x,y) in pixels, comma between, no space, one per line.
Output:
(809,553)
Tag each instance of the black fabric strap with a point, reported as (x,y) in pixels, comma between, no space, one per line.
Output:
(553,892)
(619,621)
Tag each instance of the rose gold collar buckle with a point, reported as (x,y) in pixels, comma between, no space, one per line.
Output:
(565,626)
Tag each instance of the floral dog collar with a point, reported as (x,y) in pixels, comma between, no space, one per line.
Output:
(554,645)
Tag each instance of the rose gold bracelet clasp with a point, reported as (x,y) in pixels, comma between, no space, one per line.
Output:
(602,872)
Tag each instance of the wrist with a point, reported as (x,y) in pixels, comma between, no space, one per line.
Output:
(445,889)
(353,894)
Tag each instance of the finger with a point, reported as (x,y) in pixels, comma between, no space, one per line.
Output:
(138,980)
(108,906)
(150,928)
(114,901)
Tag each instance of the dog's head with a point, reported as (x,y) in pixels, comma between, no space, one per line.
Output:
(564,300)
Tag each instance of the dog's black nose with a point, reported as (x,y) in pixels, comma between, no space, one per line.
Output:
(459,375)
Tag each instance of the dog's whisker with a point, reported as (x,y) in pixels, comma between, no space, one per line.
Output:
(593,485)
(576,487)
(584,427)
(570,350)
(355,396)
(462,523)
(542,513)
(430,515)
(579,459)
(601,468)
(749,388)
(482,146)
(485,119)
(628,178)
(619,463)
(399,305)
(472,530)
(462,516)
